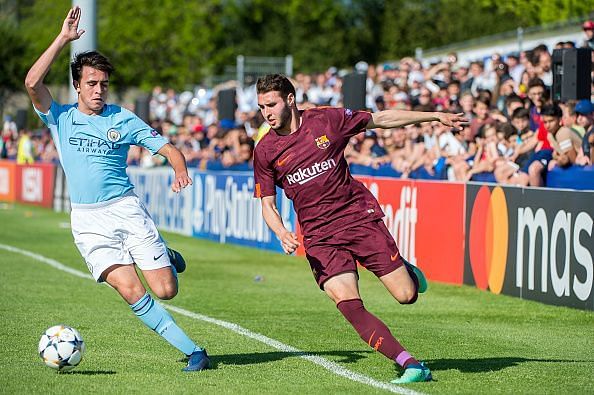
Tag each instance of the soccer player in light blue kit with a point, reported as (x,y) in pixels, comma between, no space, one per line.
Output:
(111,227)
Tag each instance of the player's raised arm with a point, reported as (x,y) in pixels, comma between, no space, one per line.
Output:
(397,118)
(40,95)
(288,239)
(178,163)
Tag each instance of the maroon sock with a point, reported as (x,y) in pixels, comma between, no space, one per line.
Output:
(374,332)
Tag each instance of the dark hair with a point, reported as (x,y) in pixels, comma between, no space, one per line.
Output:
(521,112)
(513,98)
(275,83)
(534,82)
(506,128)
(483,99)
(92,59)
(552,110)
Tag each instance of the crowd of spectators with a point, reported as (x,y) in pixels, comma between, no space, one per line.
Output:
(516,132)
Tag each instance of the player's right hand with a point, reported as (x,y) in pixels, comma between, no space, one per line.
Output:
(289,242)
(70,26)
(181,181)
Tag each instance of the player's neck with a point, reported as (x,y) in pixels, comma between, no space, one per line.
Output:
(296,121)
(87,111)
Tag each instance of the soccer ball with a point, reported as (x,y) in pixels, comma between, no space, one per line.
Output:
(61,347)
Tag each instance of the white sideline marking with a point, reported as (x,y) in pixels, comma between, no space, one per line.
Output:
(323,362)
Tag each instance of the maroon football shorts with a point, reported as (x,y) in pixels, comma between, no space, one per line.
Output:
(370,243)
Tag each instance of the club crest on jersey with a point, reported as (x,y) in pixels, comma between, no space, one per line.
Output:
(322,142)
(113,135)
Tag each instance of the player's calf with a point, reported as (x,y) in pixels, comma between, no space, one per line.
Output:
(374,332)
(153,315)
(417,276)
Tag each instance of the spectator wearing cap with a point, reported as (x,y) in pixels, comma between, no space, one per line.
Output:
(588,28)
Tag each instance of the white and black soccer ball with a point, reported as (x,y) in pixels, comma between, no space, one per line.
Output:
(61,347)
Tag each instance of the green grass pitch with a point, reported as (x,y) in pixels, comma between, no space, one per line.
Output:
(474,341)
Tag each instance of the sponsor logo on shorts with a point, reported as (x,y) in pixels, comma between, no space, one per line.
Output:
(394,257)
(157,257)
(301,176)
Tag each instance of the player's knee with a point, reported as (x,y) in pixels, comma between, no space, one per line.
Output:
(166,291)
(407,295)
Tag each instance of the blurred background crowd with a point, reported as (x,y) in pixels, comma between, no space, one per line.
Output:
(516,133)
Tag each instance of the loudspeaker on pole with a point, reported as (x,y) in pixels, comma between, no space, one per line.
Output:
(354,91)
(142,108)
(572,78)
(226,104)
(21,119)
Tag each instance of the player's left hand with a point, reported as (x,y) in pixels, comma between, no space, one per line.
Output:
(452,120)
(181,181)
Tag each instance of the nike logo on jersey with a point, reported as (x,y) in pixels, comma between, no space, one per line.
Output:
(157,257)
(284,160)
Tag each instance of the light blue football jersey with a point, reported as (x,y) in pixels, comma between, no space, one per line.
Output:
(93,149)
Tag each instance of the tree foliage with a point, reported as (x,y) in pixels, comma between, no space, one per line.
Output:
(178,43)
(12,68)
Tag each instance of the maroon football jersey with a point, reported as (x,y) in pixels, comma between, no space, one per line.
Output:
(309,165)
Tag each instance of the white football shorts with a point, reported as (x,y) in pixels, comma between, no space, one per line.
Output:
(117,232)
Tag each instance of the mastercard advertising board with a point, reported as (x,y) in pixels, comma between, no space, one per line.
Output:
(536,244)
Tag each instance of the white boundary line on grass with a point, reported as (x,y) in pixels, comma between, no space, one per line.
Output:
(323,362)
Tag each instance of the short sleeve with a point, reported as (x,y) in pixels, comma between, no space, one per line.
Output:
(144,135)
(263,175)
(51,117)
(353,122)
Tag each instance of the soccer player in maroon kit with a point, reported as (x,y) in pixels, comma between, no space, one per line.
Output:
(341,220)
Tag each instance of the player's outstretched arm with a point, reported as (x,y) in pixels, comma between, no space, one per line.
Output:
(397,118)
(40,95)
(178,163)
(288,239)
